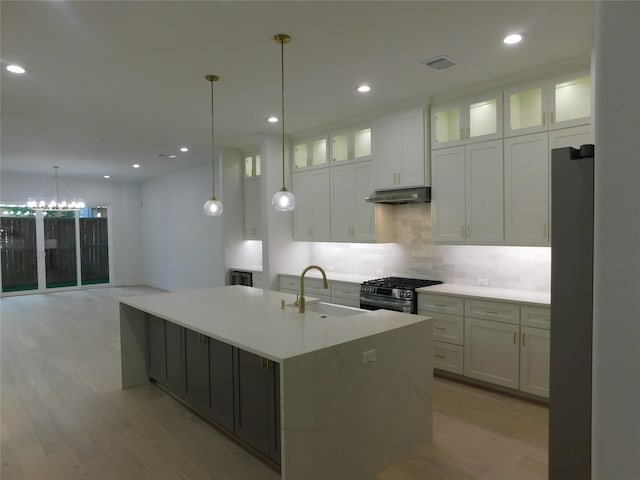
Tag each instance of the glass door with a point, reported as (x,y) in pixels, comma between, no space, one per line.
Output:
(18,250)
(61,263)
(53,249)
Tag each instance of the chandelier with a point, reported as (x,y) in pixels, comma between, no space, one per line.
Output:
(56,203)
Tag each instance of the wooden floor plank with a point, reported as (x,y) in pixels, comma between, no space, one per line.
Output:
(64,416)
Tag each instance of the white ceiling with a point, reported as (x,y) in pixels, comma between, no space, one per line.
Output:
(114,83)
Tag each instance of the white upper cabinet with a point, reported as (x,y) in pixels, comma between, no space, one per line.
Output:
(351,144)
(472,119)
(526,189)
(398,149)
(352,219)
(310,152)
(467,196)
(558,103)
(312,215)
(252,188)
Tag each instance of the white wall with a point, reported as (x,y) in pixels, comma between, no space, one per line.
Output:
(182,247)
(125,202)
(616,389)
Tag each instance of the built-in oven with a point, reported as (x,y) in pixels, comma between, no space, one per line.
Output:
(392,293)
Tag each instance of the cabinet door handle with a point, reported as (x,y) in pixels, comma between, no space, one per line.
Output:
(442,329)
(553,117)
(514,338)
(437,355)
(523,340)
(544,118)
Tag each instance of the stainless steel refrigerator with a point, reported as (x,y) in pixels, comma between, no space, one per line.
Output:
(572,208)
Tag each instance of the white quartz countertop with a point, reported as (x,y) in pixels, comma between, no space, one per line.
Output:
(490,293)
(252,319)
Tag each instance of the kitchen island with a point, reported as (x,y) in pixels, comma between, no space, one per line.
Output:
(353,393)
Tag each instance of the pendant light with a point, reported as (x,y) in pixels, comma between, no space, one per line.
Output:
(212,207)
(283,201)
(56,204)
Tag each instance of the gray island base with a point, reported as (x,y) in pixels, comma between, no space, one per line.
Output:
(353,394)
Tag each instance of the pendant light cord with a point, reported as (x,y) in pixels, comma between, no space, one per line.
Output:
(213,155)
(282,111)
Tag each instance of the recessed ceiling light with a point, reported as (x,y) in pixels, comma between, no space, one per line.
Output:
(107,176)
(513,38)
(172,156)
(15,68)
(184,149)
(273,119)
(136,165)
(364,88)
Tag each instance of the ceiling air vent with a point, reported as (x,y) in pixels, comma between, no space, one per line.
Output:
(440,63)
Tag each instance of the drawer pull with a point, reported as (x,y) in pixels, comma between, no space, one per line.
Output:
(440,328)
(440,304)
(438,355)
(491,312)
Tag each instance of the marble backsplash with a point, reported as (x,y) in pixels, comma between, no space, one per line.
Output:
(413,254)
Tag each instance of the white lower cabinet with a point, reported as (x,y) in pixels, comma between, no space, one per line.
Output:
(491,352)
(345,293)
(502,343)
(534,361)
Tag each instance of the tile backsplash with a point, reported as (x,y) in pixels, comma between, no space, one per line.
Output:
(413,254)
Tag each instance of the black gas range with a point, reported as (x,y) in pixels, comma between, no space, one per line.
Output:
(393,293)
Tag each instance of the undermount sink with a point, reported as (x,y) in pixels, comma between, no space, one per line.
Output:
(330,309)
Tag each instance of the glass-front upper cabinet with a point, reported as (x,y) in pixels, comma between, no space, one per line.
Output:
(469,120)
(310,152)
(562,102)
(352,144)
(252,167)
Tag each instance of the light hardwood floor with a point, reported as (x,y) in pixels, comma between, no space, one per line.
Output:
(64,416)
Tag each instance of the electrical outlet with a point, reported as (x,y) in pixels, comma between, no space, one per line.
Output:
(369,356)
(483,282)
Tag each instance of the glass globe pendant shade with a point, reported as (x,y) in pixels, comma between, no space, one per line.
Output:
(213,207)
(283,201)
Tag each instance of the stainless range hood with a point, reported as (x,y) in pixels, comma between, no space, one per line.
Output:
(401,195)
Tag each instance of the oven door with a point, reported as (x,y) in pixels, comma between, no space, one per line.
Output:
(377,302)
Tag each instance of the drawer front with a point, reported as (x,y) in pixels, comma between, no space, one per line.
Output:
(257,279)
(440,303)
(448,357)
(345,290)
(314,287)
(289,283)
(447,328)
(537,317)
(496,311)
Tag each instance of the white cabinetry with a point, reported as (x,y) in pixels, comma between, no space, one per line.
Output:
(548,105)
(571,137)
(312,215)
(526,186)
(345,293)
(352,219)
(467,197)
(472,119)
(491,350)
(351,144)
(398,149)
(448,329)
(310,152)
(312,287)
(534,350)
(252,204)
(497,342)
